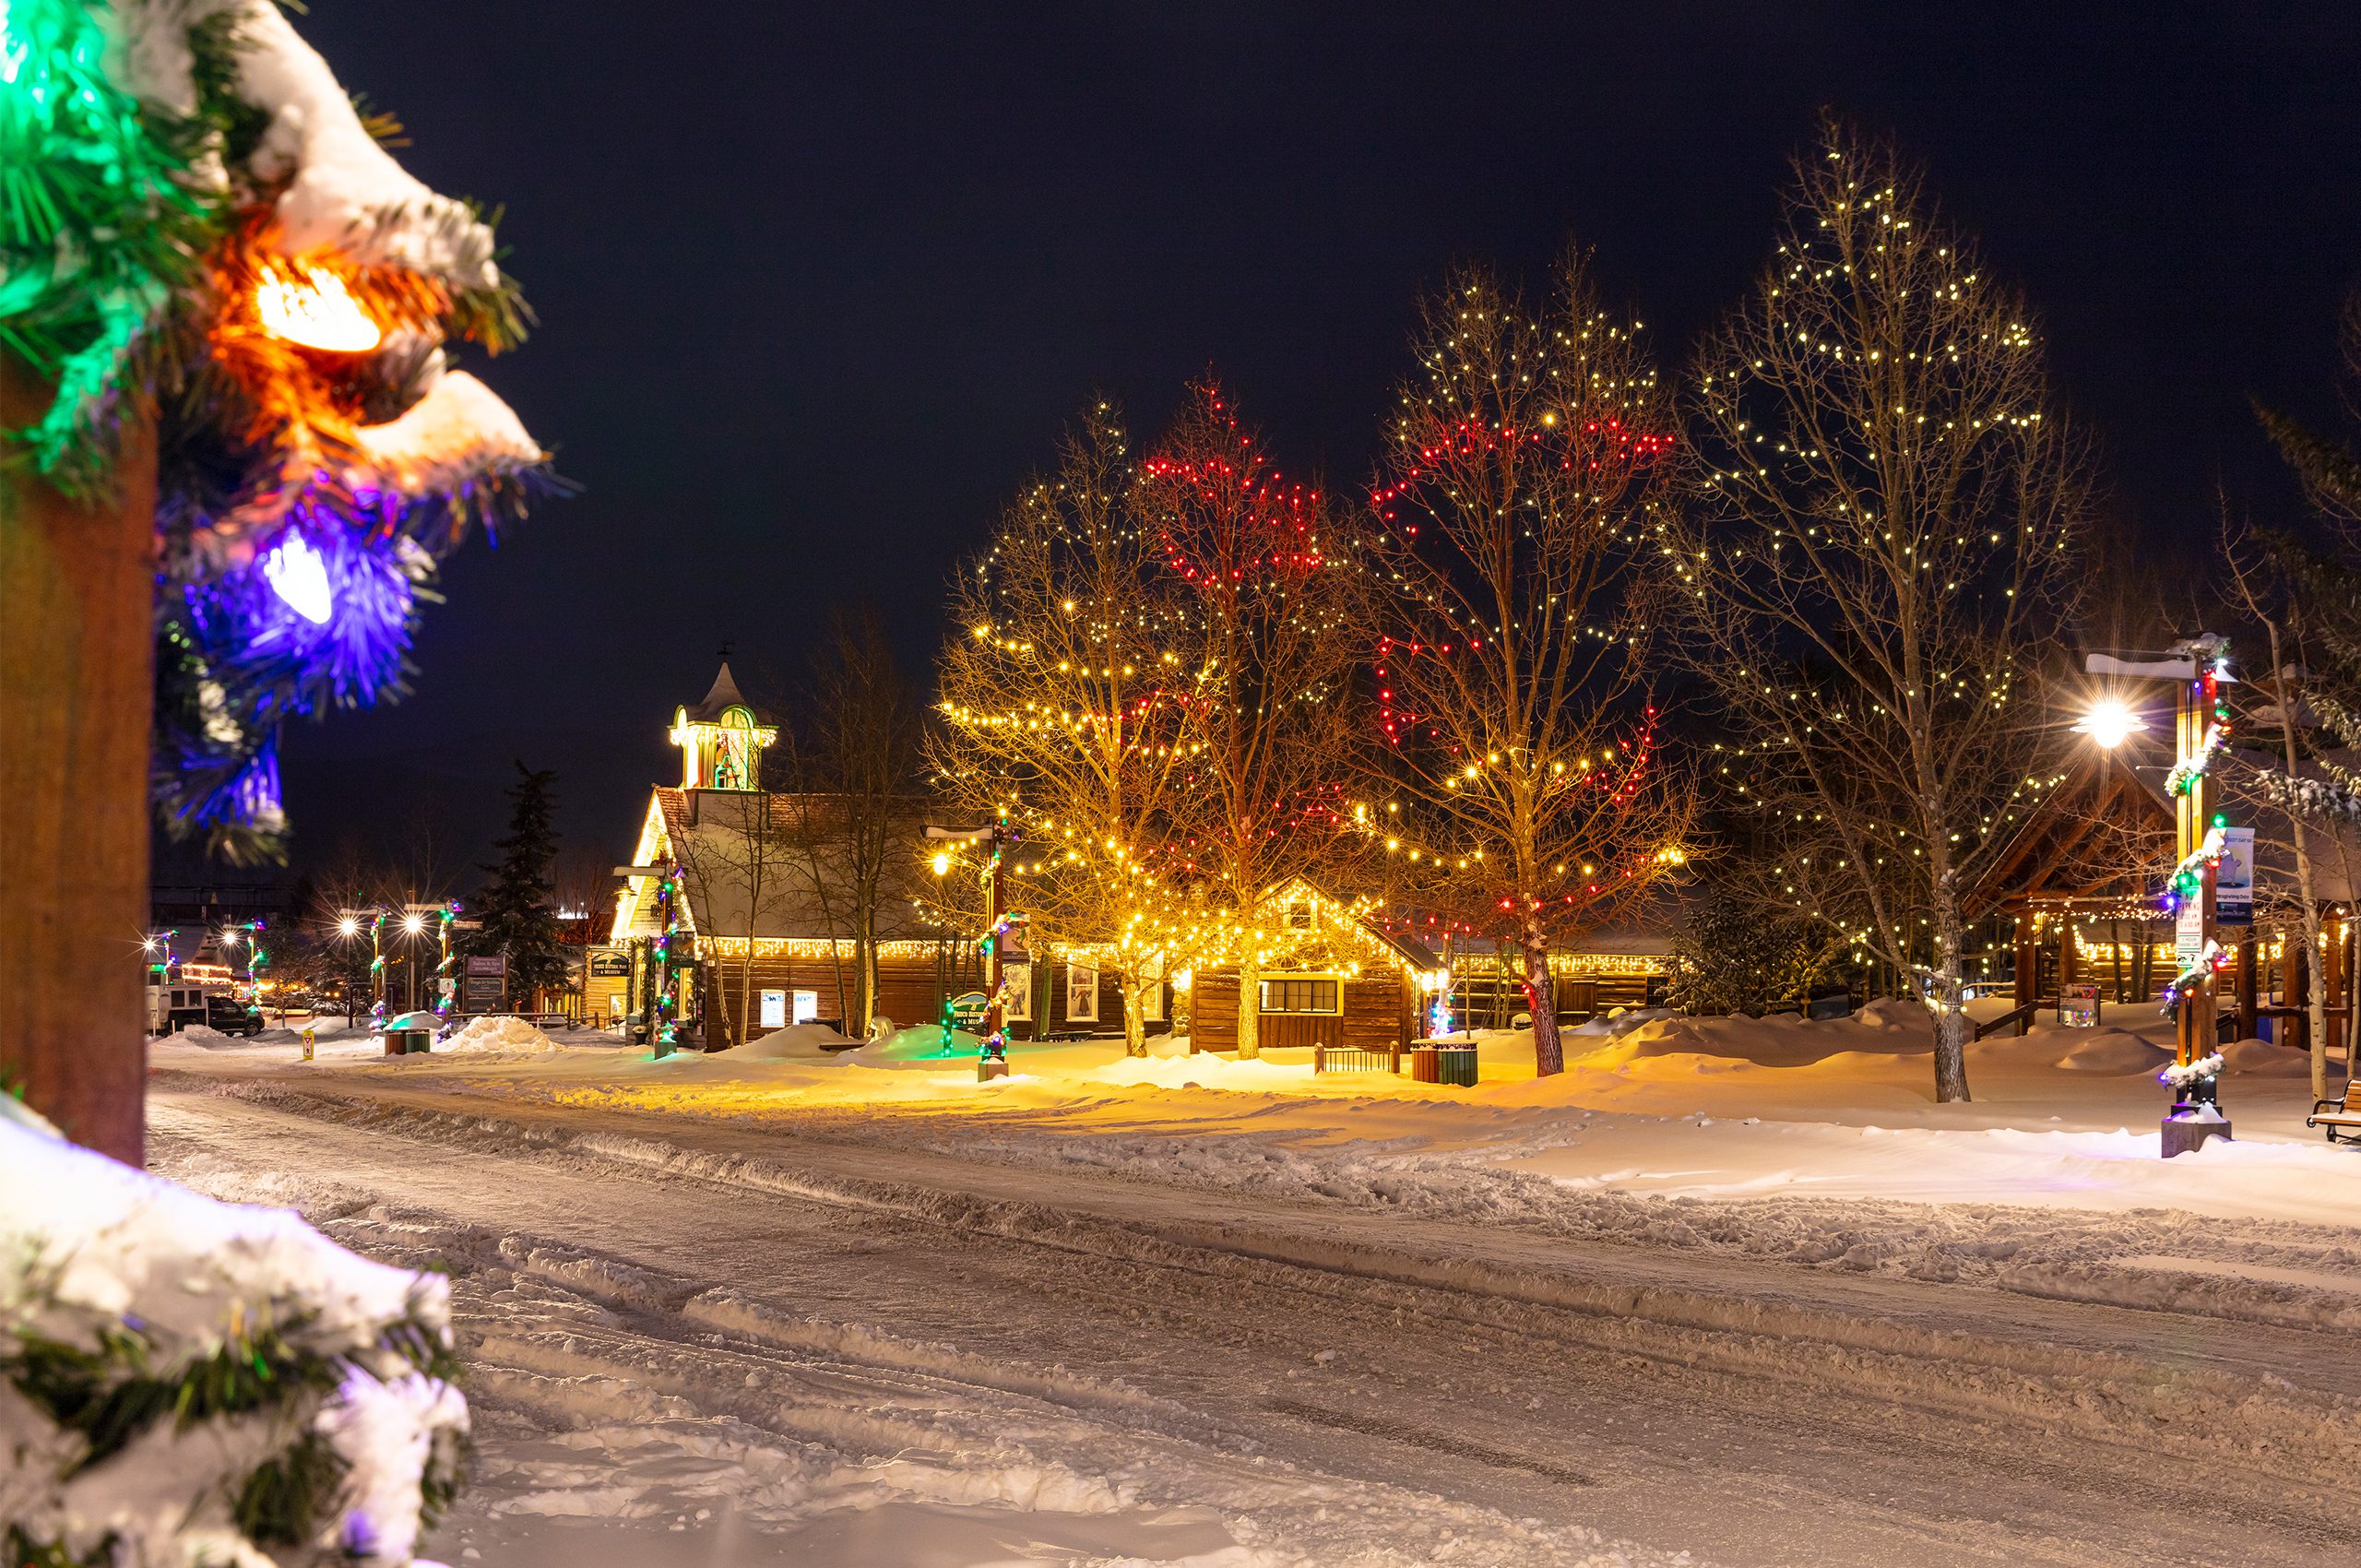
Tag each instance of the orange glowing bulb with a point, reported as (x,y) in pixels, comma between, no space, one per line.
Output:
(316,310)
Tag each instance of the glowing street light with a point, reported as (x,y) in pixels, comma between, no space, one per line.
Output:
(2110,722)
(347,925)
(413,924)
(941,863)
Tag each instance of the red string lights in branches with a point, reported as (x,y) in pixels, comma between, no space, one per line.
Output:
(1271,605)
(1517,501)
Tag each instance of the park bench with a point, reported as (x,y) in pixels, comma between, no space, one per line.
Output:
(2342,1111)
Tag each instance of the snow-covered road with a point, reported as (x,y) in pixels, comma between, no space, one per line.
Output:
(707,1343)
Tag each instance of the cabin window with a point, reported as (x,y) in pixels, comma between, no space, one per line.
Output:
(1300,916)
(1304,993)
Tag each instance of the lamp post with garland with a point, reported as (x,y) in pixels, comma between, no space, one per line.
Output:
(991,1058)
(2200,669)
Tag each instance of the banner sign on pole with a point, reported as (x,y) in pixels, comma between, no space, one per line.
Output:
(2189,933)
(2234,878)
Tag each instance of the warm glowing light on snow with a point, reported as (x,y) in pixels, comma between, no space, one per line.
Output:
(300,578)
(316,310)
(2110,722)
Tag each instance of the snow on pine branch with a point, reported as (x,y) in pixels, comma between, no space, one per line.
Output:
(342,192)
(2316,799)
(187,1382)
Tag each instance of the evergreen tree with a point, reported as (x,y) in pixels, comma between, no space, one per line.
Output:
(517,906)
(1732,956)
(2310,597)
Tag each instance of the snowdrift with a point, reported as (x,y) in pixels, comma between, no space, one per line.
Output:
(498,1037)
(920,1045)
(2113,1050)
(184,1382)
(797,1042)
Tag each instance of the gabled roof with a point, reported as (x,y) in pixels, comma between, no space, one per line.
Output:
(1406,951)
(2073,842)
(2078,842)
(734,881)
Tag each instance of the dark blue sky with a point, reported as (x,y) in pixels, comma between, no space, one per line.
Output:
(817,291)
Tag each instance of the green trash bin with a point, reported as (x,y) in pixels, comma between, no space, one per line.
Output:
(408,1033)
(1456,1066)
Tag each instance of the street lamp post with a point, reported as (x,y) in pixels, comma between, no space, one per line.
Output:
(991,1061)
(347,929)
(2199,667)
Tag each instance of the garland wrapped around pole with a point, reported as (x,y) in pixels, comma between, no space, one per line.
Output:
(235,447)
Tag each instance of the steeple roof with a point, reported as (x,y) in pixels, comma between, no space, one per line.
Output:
(725,693)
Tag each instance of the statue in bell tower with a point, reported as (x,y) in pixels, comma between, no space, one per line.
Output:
(721,740)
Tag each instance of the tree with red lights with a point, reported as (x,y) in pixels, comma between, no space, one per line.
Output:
(1270,741)
(1517,494)
(1880,556)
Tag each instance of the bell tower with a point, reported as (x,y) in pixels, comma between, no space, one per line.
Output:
(721,738)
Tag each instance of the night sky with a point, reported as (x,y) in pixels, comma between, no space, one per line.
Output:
(817,291)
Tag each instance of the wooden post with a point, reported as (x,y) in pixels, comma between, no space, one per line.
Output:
(2066,954)
(77,698)
(2192,813)
(2332,985)
(2297,978)
(2246,983)
(2028,960)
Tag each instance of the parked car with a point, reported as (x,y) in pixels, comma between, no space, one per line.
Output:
(176,1007)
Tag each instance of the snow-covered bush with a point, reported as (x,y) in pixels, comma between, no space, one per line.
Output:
(186,1384)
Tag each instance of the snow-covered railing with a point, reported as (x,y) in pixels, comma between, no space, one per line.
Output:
(187,1382)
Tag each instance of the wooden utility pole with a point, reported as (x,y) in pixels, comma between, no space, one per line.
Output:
(77,698)
(2192,818)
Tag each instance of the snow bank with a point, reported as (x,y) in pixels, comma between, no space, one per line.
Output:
(1206,1071)
(2264,1058)
(2114,1050)
(920,1045)
(498,1037)
(175,1372)
(797,1042)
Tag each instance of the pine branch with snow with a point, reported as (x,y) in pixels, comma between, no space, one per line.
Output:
(2332,802)
(186,1384)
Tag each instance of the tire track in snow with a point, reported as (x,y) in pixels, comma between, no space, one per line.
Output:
(2058,1457)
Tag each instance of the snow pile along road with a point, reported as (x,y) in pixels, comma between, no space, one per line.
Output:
(498,1036)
